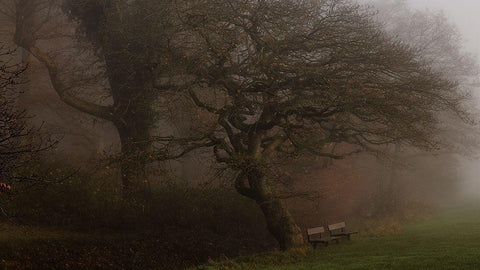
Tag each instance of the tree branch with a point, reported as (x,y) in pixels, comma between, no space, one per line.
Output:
(104,112)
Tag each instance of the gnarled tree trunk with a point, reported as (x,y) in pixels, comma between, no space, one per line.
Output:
(280,222)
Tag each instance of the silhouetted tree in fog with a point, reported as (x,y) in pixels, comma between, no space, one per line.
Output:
(130,44)
(282,78)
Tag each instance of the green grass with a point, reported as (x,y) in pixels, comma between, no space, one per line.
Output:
(450,240)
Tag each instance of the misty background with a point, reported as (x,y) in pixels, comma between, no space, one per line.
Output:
(465,15)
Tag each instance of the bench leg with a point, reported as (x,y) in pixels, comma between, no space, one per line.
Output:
(326,243)
(314,245)
(337,241)
(348,237)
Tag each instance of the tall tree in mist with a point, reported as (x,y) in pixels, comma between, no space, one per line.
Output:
(131,49)
(283,78)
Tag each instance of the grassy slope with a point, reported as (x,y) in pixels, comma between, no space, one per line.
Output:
(448,241)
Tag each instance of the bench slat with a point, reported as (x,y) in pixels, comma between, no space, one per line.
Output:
(315,230)
(336,226)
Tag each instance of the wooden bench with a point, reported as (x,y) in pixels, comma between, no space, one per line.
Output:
(339,230)
(319,235)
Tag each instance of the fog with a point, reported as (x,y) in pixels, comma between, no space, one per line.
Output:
(465,15)
(169,134)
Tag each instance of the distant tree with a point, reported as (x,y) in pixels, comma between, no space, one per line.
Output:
(431,34)
(434,37)
(122,47)
(284,78)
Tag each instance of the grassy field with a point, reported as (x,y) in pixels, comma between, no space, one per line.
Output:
(449,240)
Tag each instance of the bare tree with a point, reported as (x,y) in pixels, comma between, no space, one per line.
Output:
(284,78)
(19,143)
(124,47)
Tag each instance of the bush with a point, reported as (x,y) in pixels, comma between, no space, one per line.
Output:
(177,226)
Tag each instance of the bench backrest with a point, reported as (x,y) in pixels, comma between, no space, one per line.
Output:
(316,230)
(337,226)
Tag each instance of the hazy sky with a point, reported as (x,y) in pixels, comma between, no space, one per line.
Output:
(463,13)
